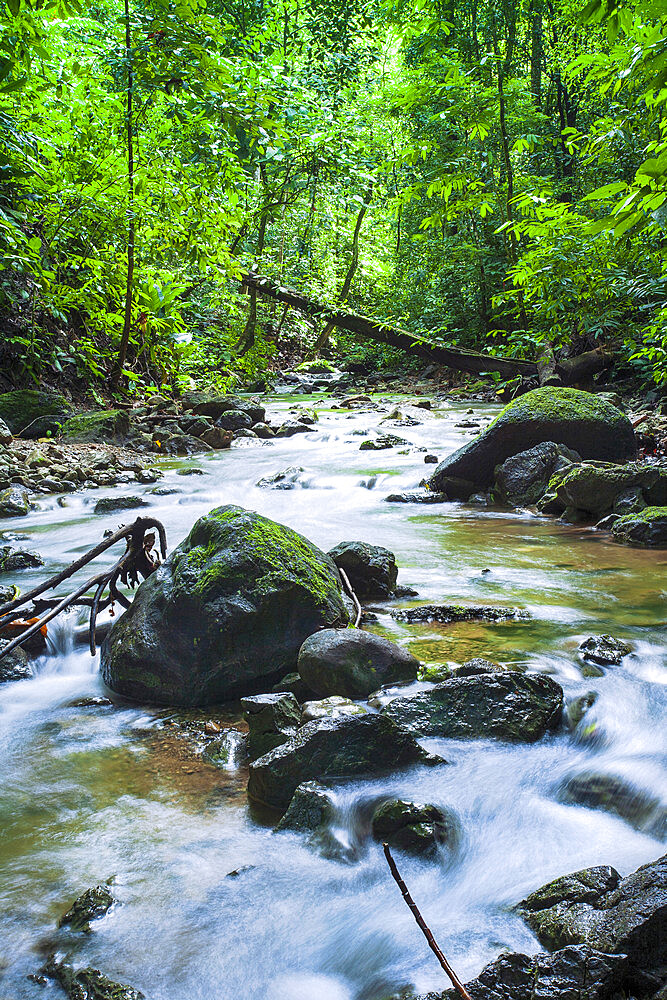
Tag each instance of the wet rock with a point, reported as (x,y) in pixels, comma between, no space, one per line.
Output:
(579,420)
(595,908)
(100,425)
(6,436)
(522,479)
(217,438)
(310,809)
(286,479)
(507,706)
(594,490)
(14,666)
(94,701)
(190,470)
(165,491)
(428,496)
(604,649)
(179,444)
(225,615)
(216,406)
(617,795)
(14,502)
(263,431)
(577,708)
(109,505)
(30,411)
(90,905)
(414,827)
(292,427)
(382,443)
(227,752)
(12,559)
(234,420)
(329,708)
(272,719)
(446,613)
(88,984)
(431,459)
(573,973)
(371,569)
(8,594)
(345,746)
(647,529)
(352,663)
(292,682)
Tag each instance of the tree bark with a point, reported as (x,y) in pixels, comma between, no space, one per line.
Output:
(370,329)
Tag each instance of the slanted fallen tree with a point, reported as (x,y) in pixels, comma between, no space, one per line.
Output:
(370,329)
(138,561)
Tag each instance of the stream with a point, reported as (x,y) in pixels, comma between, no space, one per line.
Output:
(95,793)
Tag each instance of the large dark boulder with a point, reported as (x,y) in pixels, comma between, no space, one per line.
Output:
(345,746)
(504,705)
(215,406)
(574,973)
(272,719)
(371,569)
(33,412)
(352,663)
(597,908)
(522,479)
(591,426)
(225,615)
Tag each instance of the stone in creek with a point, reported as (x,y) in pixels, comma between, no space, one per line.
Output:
(109,505)
(272,719)
(286,479)
(597,908)
(330,708)
(165,491)
(371,569)
(88,984)
(263,430)
(8,594)
(431,459)
(310,809)
(292,427)
(14,559)
(234,420)
(228,751)
(14,502)
(604,650)
(216,406)
(428,496)
(224,615)
(414,827)
(14,666)
(615,794)
(292,682)
(382,443)
(352,663)
(90,905)
(217,438)
(446,613)
(507,706)
(579,420)
(594,490)
(578,707)
(574,973)
(345,747)
(647,529)
(191,470)
(522,479)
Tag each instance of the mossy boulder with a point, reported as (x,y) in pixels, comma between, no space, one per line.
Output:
(371,569)
(646,529)
(100,425)
(14,502)
(12,559)
(579,420)
(317,367)
(90,905)
(594,490)
(505,705)
(225,615)
(342,747)
(414,827)
(352,663)
(522,479)
(25,411)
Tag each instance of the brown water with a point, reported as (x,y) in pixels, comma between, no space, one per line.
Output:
(89,794)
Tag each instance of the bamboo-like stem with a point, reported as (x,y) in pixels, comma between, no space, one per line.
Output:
(423,926)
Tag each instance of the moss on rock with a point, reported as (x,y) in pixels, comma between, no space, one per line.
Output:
(646,529)
(22,408)
(100,425)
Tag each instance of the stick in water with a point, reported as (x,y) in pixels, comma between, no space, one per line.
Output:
(432,943)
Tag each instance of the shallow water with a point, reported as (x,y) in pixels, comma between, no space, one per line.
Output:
(89,794)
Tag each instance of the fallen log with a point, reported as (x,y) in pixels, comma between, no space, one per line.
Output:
(370,329)
(584,366)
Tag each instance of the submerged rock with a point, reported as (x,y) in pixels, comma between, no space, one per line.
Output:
(287,479)
(647,529)
(344,747)
(225,615)
(352,663)
(310,809)
(88,984)
(272,719)
(506,706)
(597,908)
(604,649)
(109,505)
(382,443)
(446,613)
(330,708)
(90,905)
(579,420)
(617,795)
(228,751)
(371,569)
(414,827)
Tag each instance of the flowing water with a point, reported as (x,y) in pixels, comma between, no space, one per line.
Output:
(90,794)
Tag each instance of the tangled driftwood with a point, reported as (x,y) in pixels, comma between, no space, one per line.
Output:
(138,561)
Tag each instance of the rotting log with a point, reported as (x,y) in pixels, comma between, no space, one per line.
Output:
(370,329)
(583,366)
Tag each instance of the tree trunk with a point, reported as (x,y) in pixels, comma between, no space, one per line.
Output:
(369,329)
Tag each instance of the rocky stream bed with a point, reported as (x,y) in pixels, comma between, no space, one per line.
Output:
(509,732)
